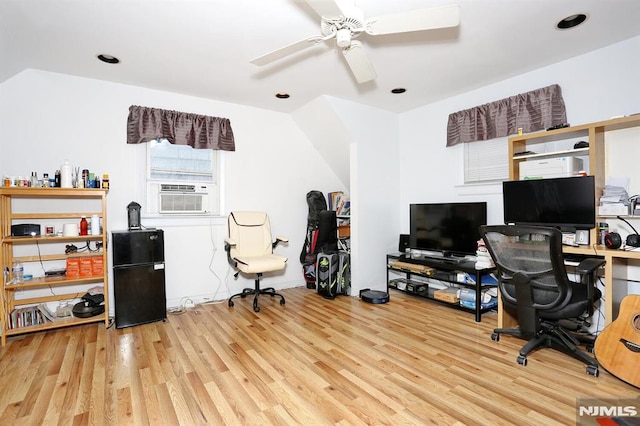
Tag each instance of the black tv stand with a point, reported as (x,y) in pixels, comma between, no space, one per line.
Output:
(443,269)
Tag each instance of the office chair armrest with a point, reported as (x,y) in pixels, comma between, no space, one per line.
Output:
(587,270)
(588,266)
(279,239)
(228,243)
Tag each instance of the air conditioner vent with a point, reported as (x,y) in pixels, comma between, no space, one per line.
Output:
(177,198)
(169,187)
(182,203)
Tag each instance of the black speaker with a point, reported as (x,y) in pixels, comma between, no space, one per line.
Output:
(633,240)
(25,229)
(612,240)
(404,243)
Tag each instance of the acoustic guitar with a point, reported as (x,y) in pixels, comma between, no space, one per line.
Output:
(617,348)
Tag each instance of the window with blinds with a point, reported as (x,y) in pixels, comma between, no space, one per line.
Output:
(486,161)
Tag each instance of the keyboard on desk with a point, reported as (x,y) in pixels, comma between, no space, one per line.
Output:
(573,259)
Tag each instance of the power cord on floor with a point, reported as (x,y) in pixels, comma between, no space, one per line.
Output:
(185,304)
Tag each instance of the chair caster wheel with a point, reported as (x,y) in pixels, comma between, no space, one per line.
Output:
(522,360)
(495,337)
(256,309)
(593,370)
(243,296)
(589,348)
(282,301)
(231,303)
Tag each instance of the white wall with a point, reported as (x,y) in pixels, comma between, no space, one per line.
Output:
(595,87)
(47,118)
(374,191)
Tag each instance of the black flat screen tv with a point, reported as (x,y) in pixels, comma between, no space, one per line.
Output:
(565,203)
(449,229)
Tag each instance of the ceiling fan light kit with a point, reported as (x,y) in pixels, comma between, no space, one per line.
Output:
(345,22)
(343,38)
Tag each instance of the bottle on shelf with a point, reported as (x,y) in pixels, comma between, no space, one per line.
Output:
(84,226)
(65,175)
(95,225)
(56,182)
(105,181)
(18,273)
(34,180)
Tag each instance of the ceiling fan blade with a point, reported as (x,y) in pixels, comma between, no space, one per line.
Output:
(359,62)
(417,20)
(285,51)
(326,8)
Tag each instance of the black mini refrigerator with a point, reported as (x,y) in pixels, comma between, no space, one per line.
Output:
(138,277)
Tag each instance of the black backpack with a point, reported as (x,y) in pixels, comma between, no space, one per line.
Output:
(321,235)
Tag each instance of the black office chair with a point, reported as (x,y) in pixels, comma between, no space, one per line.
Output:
(534,286)
(249,249)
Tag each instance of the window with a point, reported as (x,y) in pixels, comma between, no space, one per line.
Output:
(181,180)
(486,161)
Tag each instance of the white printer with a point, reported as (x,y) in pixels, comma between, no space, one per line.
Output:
(550,168)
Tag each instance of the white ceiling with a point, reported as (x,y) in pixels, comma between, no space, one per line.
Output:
(203,48)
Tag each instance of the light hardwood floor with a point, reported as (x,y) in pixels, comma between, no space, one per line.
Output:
(310,362)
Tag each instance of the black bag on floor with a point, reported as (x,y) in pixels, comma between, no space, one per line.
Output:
(327,275)
(321,235)
(344,273)
(333,275)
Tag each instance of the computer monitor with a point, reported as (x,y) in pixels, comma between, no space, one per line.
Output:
(566,203)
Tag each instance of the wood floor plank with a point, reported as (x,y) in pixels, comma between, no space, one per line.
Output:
(311,361)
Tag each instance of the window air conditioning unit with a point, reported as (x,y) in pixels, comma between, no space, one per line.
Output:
(178,198)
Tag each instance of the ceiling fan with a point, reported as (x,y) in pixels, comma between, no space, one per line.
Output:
(342,20)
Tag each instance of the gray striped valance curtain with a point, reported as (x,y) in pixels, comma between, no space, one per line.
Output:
(180,128)
(535,110)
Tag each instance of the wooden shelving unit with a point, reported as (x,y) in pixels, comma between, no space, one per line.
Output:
(597,134)
(594,133)
(28,292)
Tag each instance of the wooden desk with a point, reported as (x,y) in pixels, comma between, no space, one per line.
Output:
(615,269)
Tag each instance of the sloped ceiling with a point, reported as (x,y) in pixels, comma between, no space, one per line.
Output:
(203,47)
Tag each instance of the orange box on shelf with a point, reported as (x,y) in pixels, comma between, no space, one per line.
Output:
(85,267)
(97,266)
(73,267)
(344,231)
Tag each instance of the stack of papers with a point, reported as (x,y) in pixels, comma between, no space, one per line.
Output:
(615,198)
(614,194)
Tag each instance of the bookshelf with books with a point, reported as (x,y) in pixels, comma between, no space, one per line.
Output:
(339,202)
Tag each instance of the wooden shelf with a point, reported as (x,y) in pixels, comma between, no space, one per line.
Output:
(563,153)
(25,192)
(50,239)
(59,322)
(34,291)
(52,281)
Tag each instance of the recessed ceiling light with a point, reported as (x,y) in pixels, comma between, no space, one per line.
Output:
(109,59)
(571,21)
(282,95)
(398,90)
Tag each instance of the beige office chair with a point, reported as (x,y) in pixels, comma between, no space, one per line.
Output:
(249,249)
